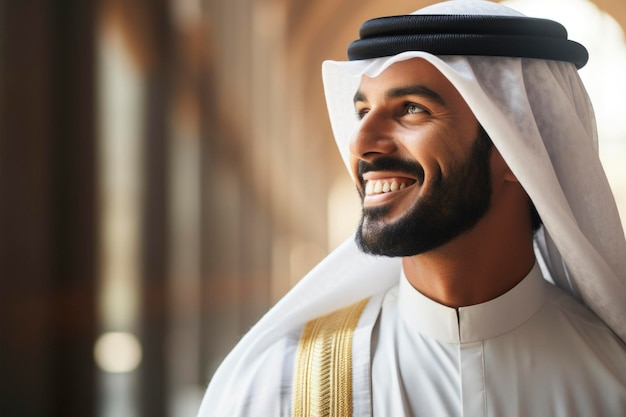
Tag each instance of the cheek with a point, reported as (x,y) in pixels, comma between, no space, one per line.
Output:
(433,140)
(434,156)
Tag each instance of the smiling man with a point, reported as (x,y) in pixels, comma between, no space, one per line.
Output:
(402,122)
(434,189)
(487,274)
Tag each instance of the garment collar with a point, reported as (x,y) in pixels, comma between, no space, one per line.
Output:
(473,323)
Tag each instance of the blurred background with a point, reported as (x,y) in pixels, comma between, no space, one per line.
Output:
(167,172)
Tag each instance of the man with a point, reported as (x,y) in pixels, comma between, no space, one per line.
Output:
(473,150)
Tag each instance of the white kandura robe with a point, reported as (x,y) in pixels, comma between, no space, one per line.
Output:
(534,351)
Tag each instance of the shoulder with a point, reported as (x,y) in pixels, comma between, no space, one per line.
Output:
(265,385)
(578,319)
(564,358)
(581,339)
(255,384)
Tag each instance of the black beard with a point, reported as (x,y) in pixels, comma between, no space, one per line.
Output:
(454,205)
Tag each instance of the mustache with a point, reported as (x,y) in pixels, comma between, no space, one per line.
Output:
(386,163)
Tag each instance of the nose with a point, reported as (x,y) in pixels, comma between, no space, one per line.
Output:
(373,137)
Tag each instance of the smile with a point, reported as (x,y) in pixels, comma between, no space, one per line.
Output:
(386,185)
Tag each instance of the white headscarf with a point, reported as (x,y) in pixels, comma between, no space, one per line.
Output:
(539,117)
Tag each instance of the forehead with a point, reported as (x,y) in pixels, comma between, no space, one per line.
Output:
(412,72)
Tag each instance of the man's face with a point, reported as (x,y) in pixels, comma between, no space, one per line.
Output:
(421,159)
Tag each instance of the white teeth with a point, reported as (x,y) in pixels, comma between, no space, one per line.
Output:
(383,186)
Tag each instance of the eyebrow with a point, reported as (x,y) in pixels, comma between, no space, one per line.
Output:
(411,90)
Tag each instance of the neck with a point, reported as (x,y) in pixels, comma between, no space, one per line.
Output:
(477,266)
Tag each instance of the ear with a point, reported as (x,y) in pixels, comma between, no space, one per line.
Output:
(500,169)
(509,176)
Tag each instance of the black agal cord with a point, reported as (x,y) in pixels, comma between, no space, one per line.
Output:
(507,36)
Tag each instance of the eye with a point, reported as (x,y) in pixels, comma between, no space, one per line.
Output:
(361,113)
(412,108)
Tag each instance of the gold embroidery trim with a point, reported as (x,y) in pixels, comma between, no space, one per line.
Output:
(323,380)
